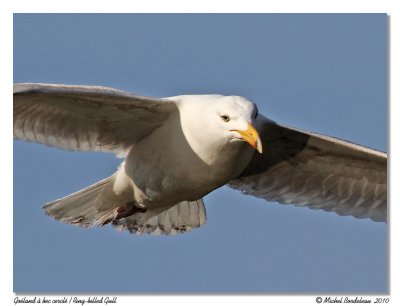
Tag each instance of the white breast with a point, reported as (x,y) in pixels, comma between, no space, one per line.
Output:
(165,169)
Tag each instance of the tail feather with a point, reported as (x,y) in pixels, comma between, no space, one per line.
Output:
(179,218)
(80,207)
(98,205)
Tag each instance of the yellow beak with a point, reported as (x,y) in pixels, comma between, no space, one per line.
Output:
(251,136)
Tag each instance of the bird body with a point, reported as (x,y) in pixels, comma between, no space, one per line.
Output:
(203,170)
(147,166)
(179,149)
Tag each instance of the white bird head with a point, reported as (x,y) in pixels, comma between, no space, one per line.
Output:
(221,119)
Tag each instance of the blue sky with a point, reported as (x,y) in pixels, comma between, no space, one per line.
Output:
(326,73)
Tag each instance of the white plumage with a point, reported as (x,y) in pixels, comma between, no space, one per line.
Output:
(179,149)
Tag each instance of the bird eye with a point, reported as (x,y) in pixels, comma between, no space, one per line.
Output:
(225,118)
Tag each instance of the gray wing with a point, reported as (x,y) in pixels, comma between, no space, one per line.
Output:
(85,117)
(316,171)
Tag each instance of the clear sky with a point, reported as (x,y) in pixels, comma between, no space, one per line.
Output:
(326,73)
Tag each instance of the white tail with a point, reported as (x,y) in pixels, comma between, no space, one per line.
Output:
(82,207)
(98,205)
(179,218)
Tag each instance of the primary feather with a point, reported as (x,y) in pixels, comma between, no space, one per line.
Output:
(85,118)
(316,171)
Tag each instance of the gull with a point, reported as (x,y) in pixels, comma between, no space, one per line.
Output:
(178,149)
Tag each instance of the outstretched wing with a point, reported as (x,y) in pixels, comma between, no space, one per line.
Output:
(316,171)
(85,117)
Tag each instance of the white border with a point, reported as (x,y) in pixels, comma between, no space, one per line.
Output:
(8,7)
(197,6)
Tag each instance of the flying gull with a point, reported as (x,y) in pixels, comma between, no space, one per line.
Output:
(177,150)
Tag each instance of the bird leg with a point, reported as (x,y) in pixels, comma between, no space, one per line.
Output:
(128,210)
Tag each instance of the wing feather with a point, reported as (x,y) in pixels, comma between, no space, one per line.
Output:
(316,171)
(85,117)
